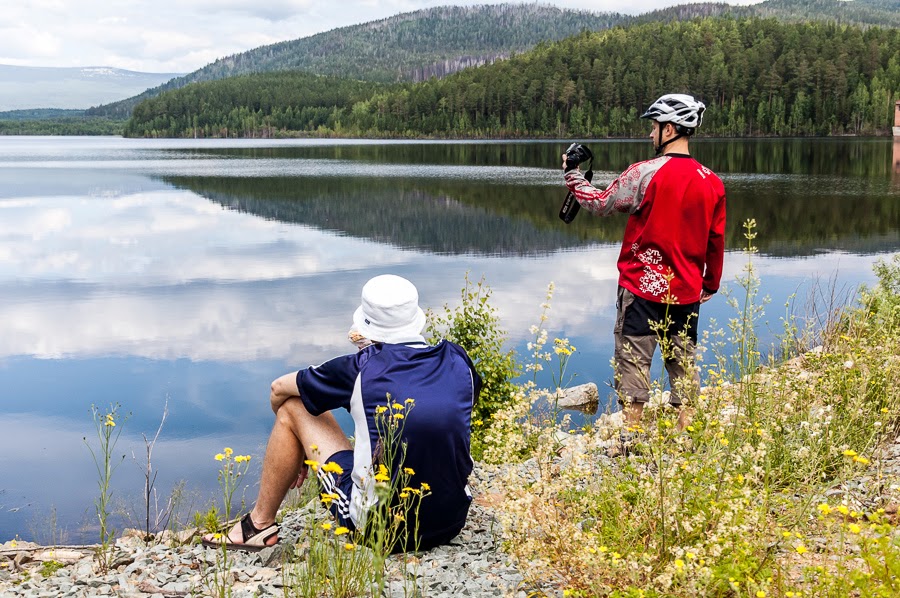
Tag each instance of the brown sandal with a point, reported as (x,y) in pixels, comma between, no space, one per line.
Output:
(253,539)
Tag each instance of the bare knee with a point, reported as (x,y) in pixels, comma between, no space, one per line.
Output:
(290,412)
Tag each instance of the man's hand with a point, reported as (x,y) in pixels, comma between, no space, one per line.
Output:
(705,296)
(304,472)
(564,164)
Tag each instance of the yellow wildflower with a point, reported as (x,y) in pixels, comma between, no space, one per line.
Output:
(849,453)
(409,471)
(679,564)
(404,494)
(861,460)
(219,456)
(326,526)
(380,409)
(349,546)
(760,594)
(801,549)
(843,510)
(854,528)
(314,465)
(477,423)
(327,497)
(410,401)
(341,531)
(425,487)
(332,467)
(397,406)
(824,508)
(228,451)
(398,416)
(382,477)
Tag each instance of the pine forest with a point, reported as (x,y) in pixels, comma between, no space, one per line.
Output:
(758,77)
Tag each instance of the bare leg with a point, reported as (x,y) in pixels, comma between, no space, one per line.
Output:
(633,413)
(292,438)
(684,418)
(294,434)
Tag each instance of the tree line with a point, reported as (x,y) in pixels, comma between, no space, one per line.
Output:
(757,77)
(68,125)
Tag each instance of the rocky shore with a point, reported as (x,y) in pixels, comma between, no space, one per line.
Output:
(473,565)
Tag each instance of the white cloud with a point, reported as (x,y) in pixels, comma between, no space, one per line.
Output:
(184,35)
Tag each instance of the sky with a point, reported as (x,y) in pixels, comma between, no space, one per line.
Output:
(179,36)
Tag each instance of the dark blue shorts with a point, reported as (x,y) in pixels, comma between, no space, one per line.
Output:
(339,484)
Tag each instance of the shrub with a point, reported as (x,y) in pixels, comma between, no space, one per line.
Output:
(475,327)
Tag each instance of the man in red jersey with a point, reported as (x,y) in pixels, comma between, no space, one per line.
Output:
(671,258)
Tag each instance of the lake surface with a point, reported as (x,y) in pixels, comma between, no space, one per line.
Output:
(142,272)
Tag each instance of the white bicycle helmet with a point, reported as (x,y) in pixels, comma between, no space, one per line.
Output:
(677,108)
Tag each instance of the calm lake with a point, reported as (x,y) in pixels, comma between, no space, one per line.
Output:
(143,272)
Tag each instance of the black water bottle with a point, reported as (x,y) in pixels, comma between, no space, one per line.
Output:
(570,206)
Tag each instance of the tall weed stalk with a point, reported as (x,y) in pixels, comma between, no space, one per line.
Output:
(108,430)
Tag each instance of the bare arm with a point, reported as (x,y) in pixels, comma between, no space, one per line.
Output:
(284,388)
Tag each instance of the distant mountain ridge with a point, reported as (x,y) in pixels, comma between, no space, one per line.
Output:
(411,46)
(27,88)
(438,41)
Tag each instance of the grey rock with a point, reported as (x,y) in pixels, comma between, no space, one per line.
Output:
(271,556)
(177,586)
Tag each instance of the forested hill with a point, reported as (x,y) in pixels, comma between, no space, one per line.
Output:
(406,47)
(882,13)
(757,76)
(438,41)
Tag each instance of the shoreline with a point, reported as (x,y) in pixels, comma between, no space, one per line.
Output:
(472,564)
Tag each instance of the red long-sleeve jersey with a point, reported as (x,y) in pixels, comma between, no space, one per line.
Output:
(674,241)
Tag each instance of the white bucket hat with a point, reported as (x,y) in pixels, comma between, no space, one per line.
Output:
(390,311)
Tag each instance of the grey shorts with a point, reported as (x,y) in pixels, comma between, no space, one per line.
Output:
(641,326)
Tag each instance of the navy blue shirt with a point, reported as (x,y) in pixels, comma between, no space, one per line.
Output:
(443,384)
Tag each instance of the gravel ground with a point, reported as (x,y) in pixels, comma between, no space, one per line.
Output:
(472,565)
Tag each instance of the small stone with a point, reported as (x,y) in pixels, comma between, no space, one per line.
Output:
(181,587)
(21,558)
(584,398)
(271,555)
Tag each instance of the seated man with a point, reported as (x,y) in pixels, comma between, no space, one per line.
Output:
(393,364)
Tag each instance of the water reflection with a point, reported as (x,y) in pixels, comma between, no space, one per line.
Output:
(896,158)
(797,215)
(136,271)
